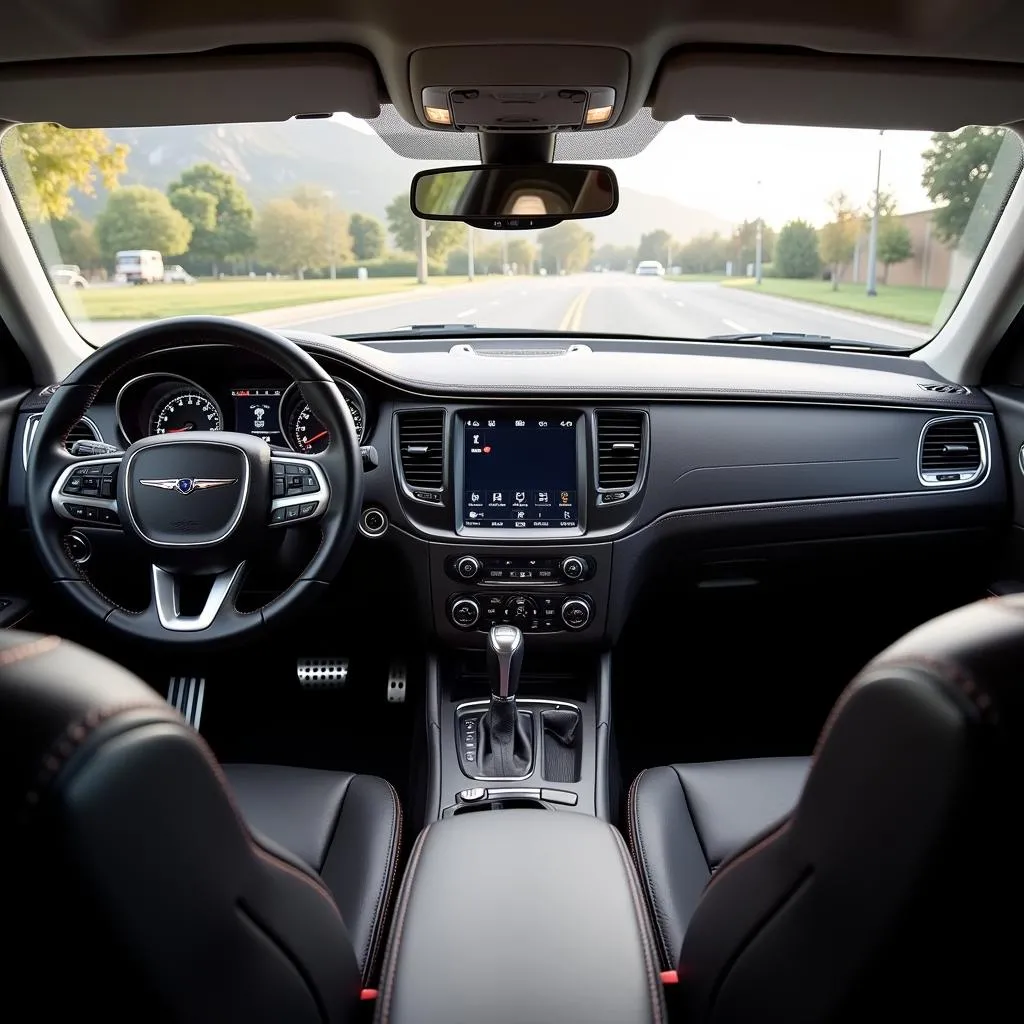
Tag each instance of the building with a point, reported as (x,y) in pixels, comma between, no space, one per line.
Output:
(931,265)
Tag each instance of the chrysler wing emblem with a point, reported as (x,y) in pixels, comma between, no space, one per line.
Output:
(186,485)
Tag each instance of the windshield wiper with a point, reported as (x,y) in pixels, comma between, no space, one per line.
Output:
(795,339)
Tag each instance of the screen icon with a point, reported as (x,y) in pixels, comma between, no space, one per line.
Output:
(520,495)
(496,498)
(520,423)
(567,514)
(492,423)
(563,498)
(474,496)
(474,423)
(520,515)
(475,515)
(542,423)
(476,439)
(543,498)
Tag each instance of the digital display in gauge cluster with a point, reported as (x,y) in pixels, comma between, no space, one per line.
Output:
(258,412)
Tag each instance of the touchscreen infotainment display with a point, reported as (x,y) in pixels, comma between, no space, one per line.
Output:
(520,472)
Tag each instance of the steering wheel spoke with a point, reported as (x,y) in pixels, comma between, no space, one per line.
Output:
(86,491)
(299,490)
(218,604)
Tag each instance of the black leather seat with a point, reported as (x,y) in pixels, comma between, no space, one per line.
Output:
(685,819)
(884,892)
(154,884)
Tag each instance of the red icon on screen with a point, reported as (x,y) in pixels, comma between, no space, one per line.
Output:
(487,449)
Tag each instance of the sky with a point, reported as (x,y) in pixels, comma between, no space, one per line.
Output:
(742,171)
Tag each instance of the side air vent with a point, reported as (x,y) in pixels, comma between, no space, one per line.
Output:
(620,448)
(954,451)
(421,451)
(83,430)
(945,389)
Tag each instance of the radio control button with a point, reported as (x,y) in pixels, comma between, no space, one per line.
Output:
(573,568)
(468,567)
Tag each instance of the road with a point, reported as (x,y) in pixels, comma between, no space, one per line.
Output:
(606,303)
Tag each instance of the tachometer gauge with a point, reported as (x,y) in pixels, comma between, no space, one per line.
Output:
(303,429)
(186,410)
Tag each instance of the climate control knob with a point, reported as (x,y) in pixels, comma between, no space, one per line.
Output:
(575,613)
(468,567)
(465,612)
(573,568)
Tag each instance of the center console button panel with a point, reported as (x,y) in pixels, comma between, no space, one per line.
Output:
(519,569)
(531,612)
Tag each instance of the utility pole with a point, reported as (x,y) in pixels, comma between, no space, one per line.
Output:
(469,253)
(421,269)
(873,241)
(759,241)
(504,252)
(329,228)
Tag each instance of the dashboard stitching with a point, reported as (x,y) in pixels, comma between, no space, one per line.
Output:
(783,465)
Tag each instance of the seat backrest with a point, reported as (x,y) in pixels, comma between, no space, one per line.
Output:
(873,899)
(140,891)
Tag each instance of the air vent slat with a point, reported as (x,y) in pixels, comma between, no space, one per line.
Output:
(952,451)
(620,439)
(421,448)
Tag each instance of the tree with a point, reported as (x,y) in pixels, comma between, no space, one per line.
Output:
(521,254)
(48,163)
(615,257)
(838,238)
(368,236)
(704,254)
(230,236)
(955,169)
(138,217)
(894,244)
(404,225)
(796,251)
(744,244)
(290,237)
(76,242)
(657,245)
(331,225)
(566,247)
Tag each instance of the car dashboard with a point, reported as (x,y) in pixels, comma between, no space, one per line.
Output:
(547,483)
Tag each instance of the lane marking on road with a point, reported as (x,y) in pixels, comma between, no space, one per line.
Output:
(733,326)
(574,314)
(466,312)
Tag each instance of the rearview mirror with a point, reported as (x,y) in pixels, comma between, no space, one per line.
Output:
(506,196)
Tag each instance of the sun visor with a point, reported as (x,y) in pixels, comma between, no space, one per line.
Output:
(194,89)
(839,91)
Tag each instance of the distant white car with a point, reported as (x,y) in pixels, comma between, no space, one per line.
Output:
(176,274)
(649,268)
(67,275)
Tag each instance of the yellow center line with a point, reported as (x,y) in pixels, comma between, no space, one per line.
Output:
(574,314)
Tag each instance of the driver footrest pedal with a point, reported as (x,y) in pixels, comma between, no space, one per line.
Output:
(185,694)
(397,682)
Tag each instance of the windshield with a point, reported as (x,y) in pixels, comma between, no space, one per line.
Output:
(722,228)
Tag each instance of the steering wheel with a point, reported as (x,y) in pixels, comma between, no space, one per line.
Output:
(197,504)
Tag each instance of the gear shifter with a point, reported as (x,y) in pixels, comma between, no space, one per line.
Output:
(506,744)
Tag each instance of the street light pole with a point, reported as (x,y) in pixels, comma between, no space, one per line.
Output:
(759,241)
(470,255)
(421,275)
(873,240)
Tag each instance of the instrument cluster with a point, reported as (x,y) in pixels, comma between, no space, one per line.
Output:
(277,412)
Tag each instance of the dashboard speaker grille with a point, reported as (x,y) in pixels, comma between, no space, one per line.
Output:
(953,451)
(421,448)
(620,437)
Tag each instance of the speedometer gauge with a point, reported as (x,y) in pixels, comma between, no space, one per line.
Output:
(186,410)
(303,429)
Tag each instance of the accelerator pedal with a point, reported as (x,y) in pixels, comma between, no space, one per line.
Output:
(397,682)
(185,694)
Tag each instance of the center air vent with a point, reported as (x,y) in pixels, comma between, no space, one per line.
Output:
(954,451)
(421,451)
(620,442)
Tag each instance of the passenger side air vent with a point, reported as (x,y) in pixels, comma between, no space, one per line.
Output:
(945,389)
(620,447)
(954,451)
(421,451)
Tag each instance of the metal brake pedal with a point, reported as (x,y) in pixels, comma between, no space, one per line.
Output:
(397,679)
(185,694)
(319,673)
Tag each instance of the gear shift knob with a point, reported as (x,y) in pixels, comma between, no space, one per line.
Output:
(504,660)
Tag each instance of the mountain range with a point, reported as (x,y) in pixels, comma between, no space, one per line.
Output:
(364,175)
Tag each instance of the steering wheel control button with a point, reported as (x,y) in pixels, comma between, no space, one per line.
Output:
(373,522)
(78,547)
(575,613)
(277,516)
(465,612)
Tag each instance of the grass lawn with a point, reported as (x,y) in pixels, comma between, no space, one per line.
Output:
(914,305)
(226,298)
